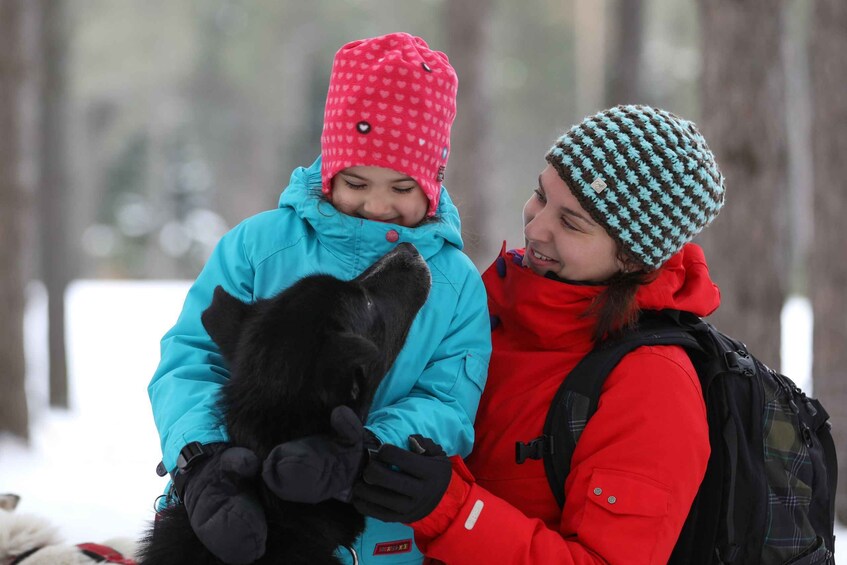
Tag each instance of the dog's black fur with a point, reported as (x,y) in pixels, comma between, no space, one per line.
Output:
(319,344)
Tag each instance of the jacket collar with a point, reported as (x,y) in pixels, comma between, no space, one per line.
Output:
(354,239)
(541,314)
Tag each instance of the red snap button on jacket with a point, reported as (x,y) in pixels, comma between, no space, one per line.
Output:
(392,236)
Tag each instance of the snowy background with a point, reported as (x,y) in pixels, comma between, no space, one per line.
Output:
(91,469)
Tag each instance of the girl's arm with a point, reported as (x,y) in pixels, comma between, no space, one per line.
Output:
(184,389)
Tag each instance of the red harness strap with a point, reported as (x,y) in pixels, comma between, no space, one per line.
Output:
(104,554)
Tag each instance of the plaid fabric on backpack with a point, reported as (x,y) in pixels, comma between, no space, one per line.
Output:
(768,495)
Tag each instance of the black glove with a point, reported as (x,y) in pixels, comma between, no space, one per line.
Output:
(222,504)
(317,468)
(403,486)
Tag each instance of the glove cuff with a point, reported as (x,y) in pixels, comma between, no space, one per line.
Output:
(191,458)
(437,521)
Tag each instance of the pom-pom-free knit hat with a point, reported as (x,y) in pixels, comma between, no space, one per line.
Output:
(391,103)
(647,176)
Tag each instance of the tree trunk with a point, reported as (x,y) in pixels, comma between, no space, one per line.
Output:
(624,65)
(468,176)
(590,23)
(53,190)
(828,277)
(743,90)
(13,407)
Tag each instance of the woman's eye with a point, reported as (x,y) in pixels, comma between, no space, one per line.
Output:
(539,195)
(353,185)
(403,189)
(568,225)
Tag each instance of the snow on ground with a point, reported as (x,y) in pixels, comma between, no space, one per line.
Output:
(91,469)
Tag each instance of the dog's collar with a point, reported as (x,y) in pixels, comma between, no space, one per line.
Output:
(353,554)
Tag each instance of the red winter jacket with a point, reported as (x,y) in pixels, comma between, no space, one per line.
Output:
(638,463)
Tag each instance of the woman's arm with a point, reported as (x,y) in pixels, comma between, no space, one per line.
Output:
(637,468)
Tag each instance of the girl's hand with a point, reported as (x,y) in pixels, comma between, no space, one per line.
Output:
(223,506)
(317,468)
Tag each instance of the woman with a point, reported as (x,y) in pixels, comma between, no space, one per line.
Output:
(607,234)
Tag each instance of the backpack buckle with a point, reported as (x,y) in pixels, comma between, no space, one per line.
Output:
(534,449)
(740,362)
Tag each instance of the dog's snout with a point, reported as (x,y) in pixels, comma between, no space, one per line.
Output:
(405,250)
(407,247)
(409,255)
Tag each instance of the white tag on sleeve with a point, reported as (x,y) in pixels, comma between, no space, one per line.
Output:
(474,515)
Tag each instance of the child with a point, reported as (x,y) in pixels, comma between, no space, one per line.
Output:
(607,234)
(384,149)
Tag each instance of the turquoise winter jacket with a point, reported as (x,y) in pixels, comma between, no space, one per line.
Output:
(432,389)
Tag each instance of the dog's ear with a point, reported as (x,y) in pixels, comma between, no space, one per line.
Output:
(346,350)
(224,319)
(355,348)
(348,358)
(9,502)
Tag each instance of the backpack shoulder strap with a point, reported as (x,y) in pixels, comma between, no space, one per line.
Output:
(577,397)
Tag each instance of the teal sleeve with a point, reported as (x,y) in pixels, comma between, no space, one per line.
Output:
(185,387)
(443,402)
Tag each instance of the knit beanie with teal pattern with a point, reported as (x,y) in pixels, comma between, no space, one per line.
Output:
(647,176)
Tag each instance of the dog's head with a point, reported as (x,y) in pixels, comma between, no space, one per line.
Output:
(319,344)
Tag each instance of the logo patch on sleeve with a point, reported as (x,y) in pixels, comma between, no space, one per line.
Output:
(391,547)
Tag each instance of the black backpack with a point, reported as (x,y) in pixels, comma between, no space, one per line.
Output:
(759,502)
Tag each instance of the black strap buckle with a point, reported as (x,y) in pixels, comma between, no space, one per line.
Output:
(189,454)
(740,362)
(534,449)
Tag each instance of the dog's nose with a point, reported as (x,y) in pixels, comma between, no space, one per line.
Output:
(406,248)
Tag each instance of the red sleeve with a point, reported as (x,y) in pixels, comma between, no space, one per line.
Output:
(638,465)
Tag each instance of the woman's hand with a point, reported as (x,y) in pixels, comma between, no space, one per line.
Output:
(403,486)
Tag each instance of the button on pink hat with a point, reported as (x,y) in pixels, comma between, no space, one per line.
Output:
(391,103)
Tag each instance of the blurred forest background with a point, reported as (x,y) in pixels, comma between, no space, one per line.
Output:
(134,134)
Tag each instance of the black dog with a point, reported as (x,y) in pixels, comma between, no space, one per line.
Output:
(320,344)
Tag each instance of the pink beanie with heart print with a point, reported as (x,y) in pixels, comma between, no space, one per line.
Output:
(391,103)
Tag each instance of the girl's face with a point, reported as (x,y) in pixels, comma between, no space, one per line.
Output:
(562,238)
(380,195)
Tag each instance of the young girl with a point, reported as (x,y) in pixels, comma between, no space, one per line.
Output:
(384,148)
(607,232)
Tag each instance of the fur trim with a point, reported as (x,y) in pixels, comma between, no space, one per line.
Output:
(22,532)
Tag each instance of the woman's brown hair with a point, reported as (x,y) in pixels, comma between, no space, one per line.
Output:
(615,308)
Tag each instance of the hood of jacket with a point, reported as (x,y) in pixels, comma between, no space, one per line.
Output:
(349,237)
(544,314)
